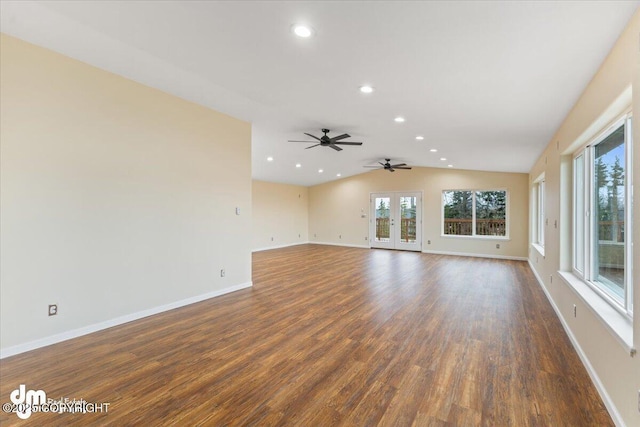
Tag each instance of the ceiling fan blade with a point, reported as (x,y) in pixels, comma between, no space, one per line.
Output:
(402,167)
(312,146)
(314,137)
(339,137)
(392,170)
(399,164)
(310,142)
(335,147)
(348,143)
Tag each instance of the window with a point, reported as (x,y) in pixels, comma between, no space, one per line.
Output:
(458,213)
(602,215)
(475,213)
(541,214)
(538,220)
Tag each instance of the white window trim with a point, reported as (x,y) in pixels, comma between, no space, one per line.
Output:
(574,230)
(628,221)
(473,216)
(539,214)
(585,277)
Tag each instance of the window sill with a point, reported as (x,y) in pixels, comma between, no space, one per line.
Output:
(620,325)
(457,236)
(538,248)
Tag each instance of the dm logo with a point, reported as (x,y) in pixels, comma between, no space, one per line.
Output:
(25,400)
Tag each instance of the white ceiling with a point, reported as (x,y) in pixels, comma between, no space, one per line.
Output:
(485,83)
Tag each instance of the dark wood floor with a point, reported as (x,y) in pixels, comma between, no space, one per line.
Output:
(332,336)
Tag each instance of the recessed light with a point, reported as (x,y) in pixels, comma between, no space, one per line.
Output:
(419,137)
(320,171)
(443,159)
(366,89)
(433,150)
(298,165)
(338,174)
(399,119)
(269,159)
(449,166)
(302,31)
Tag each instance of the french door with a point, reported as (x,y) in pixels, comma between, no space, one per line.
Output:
(396,221)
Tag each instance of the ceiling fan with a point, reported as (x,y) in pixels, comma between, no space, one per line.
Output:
(389,167)
(325,141)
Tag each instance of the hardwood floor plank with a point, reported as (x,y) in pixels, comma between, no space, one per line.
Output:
(372,407)
(404,406)
(331,336)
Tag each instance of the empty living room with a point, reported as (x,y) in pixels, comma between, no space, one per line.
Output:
(319,213)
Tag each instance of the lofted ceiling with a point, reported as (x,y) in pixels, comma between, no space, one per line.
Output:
(485,83)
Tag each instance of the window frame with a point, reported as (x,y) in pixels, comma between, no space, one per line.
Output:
(473,234)
(588,223)
(539,220)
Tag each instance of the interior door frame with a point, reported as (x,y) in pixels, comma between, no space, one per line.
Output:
(395,220)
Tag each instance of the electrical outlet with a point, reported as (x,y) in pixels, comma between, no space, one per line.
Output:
(575,311)
(222,273)
(366,238)
(497,245)
(428,242)
(339,236)
(272,239)
(53,309)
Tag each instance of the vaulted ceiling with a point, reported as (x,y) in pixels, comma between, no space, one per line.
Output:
(486,84)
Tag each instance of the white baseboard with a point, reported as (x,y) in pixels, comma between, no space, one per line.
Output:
(268,248)
(514,258)
(613,411)
(64,336)
(340,244)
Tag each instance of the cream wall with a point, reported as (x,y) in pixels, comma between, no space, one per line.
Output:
(335,208)
(615,371)
(113,198)
(280,215)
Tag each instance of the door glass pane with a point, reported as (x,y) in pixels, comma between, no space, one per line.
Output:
(383,224)
(408,219)
(609,206)
(491,213)
(458,211)
(578,214)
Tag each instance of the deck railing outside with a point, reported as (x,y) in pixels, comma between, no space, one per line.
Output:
(484,227)
(607,230)
(407,229)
